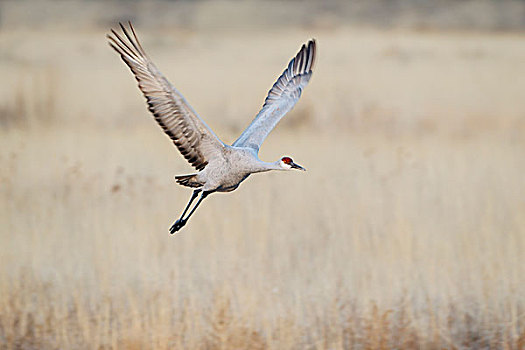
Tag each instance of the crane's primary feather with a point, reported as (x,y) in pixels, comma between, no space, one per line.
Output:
(281,98)
(194,139)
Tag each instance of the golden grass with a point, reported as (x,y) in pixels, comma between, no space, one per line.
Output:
(407,231)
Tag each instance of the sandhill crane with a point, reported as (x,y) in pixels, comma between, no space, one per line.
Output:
(221,168)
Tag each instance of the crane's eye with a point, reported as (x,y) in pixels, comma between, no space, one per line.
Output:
(287,160)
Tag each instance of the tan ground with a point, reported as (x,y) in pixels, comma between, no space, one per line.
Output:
(407,231)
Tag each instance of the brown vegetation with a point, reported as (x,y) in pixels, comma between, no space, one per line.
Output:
(407,231)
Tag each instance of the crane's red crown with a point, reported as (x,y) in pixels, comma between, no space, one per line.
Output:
(287,160)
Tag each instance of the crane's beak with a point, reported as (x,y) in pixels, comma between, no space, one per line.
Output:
(297,166)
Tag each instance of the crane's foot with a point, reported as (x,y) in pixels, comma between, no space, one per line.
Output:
(177,225)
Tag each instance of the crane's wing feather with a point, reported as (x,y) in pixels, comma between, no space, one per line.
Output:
(194,139)
(281,98)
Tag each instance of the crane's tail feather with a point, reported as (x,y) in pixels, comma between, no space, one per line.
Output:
(188,180)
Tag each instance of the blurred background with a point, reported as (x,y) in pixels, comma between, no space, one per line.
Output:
(407,231)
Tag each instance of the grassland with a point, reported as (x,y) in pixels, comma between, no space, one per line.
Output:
(407,231)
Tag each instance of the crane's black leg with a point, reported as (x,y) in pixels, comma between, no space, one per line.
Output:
(203,195)
(193,196)
(182,221)
(177,225)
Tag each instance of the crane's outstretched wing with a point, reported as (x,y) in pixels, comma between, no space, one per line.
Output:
(194,139)
(281,98)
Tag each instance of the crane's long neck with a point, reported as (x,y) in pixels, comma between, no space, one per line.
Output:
(265,166)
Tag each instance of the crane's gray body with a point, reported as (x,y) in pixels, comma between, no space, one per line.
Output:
(221,167)
(231,166)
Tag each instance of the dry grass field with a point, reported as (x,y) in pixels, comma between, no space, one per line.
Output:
(406,232)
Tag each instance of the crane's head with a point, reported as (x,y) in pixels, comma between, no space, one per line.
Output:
(288,164)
